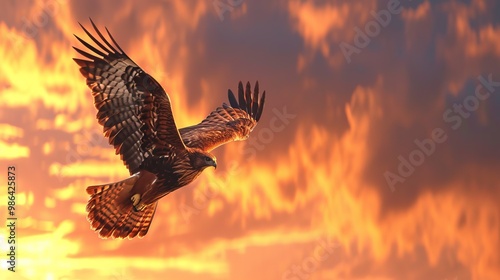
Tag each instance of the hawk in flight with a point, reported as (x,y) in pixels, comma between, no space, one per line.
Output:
(137,119)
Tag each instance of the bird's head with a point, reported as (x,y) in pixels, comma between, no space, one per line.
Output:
(201,160)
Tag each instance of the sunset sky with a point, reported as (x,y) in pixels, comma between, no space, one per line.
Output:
(377,155)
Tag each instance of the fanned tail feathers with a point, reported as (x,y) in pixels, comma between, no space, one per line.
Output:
(111,214)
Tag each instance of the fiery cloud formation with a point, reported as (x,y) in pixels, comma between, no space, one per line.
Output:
(306,196)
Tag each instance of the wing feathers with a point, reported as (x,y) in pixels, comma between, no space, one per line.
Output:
(84,53)
(89,45)
(132,107)
(255,99)
(102,38)
(94,39)
(232,99)
(248,97)
(114,42)
(227,123)
(241,96)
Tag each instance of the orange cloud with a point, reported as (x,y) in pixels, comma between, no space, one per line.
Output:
(293,184)
(325,26)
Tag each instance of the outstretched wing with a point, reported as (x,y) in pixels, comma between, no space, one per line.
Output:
(227,123)
(133,108)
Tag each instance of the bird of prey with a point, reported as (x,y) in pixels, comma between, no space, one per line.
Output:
(137,119)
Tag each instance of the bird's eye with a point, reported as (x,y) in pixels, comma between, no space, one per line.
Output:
(207,159)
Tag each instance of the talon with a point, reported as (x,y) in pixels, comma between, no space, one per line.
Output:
(139,208)
(135,199)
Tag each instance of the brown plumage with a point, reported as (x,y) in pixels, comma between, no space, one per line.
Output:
(137,119)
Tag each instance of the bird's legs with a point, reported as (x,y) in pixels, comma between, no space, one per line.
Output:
(136,202)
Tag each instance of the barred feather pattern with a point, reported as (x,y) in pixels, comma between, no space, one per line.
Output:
(227,123)
(110,211)
(127,100)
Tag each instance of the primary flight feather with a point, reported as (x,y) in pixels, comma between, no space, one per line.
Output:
(137,119)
